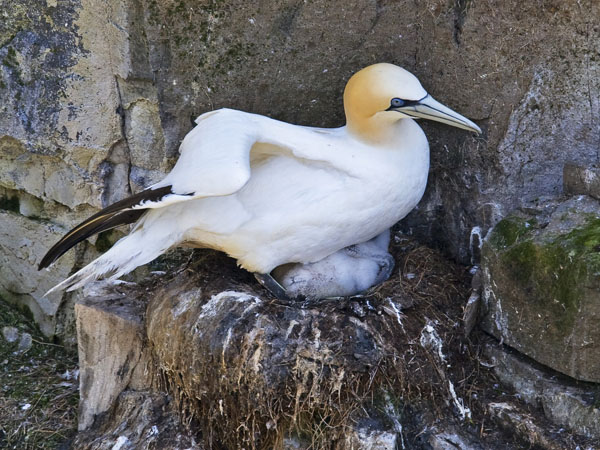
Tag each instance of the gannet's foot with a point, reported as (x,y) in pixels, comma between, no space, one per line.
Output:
(271,285)
(349,271)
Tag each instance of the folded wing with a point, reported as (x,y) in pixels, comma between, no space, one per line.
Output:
(214,161)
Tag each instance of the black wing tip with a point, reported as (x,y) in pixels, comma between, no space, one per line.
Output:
(57,250)
(118,213)
(43,264)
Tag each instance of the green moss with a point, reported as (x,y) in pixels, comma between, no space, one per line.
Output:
(547,272)
(585,242)
(105,241)
(554,272)
(510,230)
(10,60)
(10,203)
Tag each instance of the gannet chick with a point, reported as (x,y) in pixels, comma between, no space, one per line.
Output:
(269,193)
(349,271)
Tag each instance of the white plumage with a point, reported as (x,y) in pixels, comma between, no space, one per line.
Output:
(269,193)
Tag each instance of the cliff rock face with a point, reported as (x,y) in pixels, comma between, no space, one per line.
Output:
(96,97)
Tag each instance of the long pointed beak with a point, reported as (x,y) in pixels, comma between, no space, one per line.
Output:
(429,108)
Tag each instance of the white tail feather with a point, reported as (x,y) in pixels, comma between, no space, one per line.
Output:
(128,253)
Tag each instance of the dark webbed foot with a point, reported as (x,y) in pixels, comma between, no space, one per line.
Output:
(271,285)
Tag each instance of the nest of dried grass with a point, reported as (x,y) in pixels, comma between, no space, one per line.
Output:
(248,372)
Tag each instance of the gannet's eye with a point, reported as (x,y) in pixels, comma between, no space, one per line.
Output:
(397,102)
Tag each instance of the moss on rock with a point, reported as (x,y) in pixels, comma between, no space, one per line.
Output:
(542,286)
(9,203)
(510,230)
(549,272)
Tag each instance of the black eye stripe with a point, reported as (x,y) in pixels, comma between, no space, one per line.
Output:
(401,103)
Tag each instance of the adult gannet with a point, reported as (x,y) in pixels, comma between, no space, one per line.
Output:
(269,193)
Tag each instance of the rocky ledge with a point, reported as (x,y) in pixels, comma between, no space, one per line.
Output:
(204,358)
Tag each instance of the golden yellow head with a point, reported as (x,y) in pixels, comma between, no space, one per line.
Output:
(379,95)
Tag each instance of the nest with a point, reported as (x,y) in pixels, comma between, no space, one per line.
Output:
(248,371)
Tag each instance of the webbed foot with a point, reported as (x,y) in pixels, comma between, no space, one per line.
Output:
(273,286)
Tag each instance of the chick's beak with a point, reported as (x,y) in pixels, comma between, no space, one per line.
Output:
(429,108)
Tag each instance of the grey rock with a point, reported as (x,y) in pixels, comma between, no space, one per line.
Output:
(144,134)
(451,440)
(564,403)
(531,129)
(371,439)
(25,343)
(11,334)
(514,420)
(138,420)
(58,151)
(578,180)
(541,285)
(22,241)
(112,356)
(471,313)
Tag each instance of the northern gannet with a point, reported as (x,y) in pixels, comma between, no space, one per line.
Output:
(270,194)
